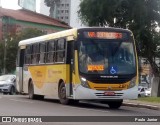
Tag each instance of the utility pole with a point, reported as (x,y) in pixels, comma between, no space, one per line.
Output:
(4,65)
(5,42)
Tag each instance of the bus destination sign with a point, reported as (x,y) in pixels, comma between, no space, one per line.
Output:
(105,35)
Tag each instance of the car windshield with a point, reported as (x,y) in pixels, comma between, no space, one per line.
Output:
(106,57)
(6,78)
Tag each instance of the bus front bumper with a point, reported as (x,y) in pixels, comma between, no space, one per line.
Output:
(81,93)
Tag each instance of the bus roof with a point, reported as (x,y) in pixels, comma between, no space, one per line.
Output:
(70,32)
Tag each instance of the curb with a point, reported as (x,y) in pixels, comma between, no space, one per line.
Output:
(141,105)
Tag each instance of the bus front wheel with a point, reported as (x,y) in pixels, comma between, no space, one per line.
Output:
(62,94)
(31,91)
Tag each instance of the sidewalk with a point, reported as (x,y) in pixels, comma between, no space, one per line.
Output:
(141,104)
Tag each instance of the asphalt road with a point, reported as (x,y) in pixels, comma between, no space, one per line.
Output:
(20,105)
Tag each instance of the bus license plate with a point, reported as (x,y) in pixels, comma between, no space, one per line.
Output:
(109,93)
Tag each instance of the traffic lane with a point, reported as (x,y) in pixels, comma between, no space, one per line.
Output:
(20,105)
(22,102)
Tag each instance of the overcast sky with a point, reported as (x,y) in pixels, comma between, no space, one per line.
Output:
(13,4)
(10,4)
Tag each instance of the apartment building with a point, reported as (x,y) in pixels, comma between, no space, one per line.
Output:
(65,10)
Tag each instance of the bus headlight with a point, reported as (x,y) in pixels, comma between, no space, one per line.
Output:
(84,82)
(132,82)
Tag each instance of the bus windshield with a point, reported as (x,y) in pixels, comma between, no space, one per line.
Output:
(106,57)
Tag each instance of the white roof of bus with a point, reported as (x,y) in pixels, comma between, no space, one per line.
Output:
(64,33)
(70,32)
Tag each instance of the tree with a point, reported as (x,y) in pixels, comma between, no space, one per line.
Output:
(12,47)
(51,4)
(140,16)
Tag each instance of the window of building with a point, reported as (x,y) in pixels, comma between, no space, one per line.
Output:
(66,11)
(66,5)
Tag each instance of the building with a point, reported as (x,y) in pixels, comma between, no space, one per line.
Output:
(28,4)
(65,10)
(62,11)
(12,21)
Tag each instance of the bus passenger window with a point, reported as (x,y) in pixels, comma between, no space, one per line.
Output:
(50,51)
(28,54)
(35,52)
(42,52)
(61,50)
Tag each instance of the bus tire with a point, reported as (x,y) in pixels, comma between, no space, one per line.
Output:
(62,94)
(31,90)
(115,104)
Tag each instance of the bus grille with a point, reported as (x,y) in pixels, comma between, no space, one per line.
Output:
(102,95)
(106,88)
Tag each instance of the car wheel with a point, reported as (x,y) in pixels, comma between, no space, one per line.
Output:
(12,91)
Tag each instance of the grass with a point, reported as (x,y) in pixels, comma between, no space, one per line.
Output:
(150,99)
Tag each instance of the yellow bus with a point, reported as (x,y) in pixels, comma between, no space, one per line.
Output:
(95,64)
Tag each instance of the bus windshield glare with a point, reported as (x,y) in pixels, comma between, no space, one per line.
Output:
(106,57)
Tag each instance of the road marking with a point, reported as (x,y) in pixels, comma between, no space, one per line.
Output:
(21,101)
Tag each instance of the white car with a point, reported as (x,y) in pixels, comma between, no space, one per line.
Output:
(7,84)
(141,91)
(148,92)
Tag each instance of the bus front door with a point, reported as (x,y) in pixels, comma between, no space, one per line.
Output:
(19,70)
